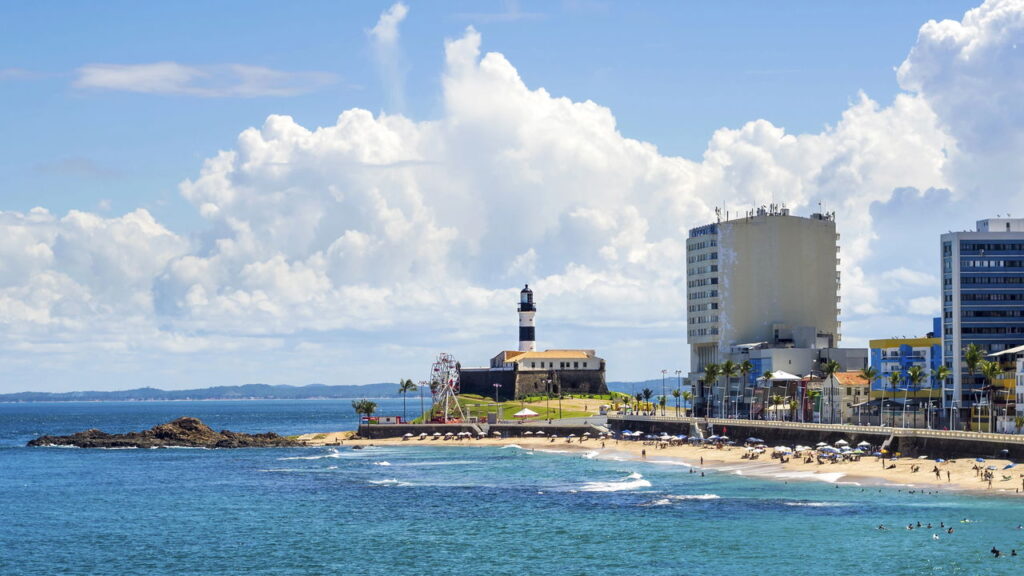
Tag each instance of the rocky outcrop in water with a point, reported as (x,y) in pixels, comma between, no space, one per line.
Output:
(187,432)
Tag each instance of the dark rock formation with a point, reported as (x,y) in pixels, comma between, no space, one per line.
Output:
(188,432)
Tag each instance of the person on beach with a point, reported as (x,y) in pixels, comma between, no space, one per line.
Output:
(643,454)
(947,475)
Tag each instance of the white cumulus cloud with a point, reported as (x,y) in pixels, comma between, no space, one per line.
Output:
(418,233)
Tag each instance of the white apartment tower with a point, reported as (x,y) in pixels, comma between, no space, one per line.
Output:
(768,278)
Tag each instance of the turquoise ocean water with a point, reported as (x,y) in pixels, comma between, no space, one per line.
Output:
(444,509)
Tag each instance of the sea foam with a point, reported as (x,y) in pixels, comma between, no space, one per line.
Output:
(634,481)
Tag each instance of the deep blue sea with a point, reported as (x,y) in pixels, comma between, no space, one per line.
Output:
(443,509)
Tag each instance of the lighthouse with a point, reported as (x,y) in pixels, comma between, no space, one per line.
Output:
(527,338)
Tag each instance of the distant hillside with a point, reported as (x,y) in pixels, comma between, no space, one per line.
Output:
(244,392)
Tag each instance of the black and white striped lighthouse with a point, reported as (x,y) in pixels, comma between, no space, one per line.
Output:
(527,337)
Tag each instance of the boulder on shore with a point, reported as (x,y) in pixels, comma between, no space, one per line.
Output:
(187,432)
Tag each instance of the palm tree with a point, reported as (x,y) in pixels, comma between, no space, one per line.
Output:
(728,372)
(991,371)
(675,394)
(711,373)
(648,393)
(894,380)
(768,390)
(639,399)
(870,374)
(661,402)
(775,401)
(814,395)
(830,368)
(939,376)
(973,357)
(404,388)
(687,399)
(364,406)
(915,375)
(745,369)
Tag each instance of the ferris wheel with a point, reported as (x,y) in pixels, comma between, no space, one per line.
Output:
(444,385)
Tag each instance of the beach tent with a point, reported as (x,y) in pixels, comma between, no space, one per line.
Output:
(525,413)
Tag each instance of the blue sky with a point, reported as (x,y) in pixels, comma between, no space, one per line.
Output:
(109,107)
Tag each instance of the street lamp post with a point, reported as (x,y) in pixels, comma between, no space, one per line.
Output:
(497,404)
(663,396)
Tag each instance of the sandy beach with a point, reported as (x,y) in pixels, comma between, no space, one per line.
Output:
(954,475)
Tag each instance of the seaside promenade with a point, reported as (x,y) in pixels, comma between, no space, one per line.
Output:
(907,441)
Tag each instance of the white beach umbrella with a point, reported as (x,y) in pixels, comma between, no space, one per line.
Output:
(407,435)
(423,434)
(528,433)
(841,443)
(820,444)
(864,444)
(437,434)
(540,432)
(496,433)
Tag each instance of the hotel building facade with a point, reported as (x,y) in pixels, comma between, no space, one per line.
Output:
(982,304)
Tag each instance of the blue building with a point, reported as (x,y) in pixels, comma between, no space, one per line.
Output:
(891,355)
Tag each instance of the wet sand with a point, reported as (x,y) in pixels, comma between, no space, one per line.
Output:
(869,470)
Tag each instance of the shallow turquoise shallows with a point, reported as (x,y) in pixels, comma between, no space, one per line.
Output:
(443,509)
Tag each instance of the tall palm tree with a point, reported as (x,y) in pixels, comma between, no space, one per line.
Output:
(991,371)
(675,394)
(768,390)
(915,375)
(687,399)
(711,373)
(939,376)
(813,395)
(973,357)
(829,368)
(404,387)
(364,406)
(774,402)
(894,380)
(745,369)
(870,374)
(729,370)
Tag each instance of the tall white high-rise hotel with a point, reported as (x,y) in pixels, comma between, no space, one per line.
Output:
(768,278)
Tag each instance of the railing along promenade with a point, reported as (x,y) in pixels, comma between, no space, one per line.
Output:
(849,428)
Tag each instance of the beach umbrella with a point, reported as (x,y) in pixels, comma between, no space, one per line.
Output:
(979,459)
(864,444)
(681,436)
(437,434)
(939,460)
(841,443)
(540,432)
(528,433)
(586,433)
(858,451)
(876,453)
(627,432)
(423,434)
(820,444)
(723,437)
(991,467)
(496,433)
(481,434)
(713,437)
(572,435)
(1008,466)
(407,435)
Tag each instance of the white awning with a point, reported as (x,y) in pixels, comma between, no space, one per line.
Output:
(1018,349)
